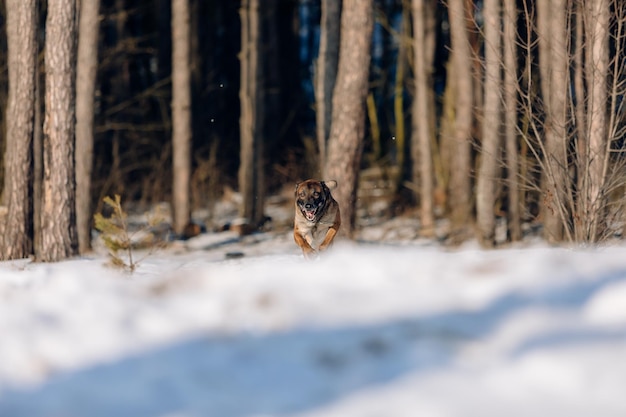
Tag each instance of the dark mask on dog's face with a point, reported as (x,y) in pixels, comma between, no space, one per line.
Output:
(311,199)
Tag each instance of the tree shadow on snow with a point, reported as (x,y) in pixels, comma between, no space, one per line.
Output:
(275,374)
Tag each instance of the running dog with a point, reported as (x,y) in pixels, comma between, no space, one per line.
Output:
(317,217)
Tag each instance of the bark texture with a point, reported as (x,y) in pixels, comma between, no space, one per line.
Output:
(554,66)
(58,223)
(86,70)
(597,18)
(422,156)
(181,115)
(511,86)
(326,72)
(251,168)
(491,140)
(460,185)
(16,240)
(348,121)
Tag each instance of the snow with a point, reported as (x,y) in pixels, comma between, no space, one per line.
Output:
(369,330)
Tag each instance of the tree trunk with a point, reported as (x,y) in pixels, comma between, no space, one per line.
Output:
(544,40)
(421,135)
(121,91)
(555,67)
(272,82)
(58,238)
(326,72)
(597,19)
(580,114)
(86,70)
(181,115)
(348,121)
(460,186)
(38,152)
(251,168)
(510,119)
(398,98)
(488,170)
(16,240)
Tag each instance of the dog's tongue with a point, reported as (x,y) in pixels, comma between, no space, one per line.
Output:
(310,215)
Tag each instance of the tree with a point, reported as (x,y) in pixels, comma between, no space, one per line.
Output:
(422,135)
(553,61)
(580,110)
(86,71)
(460,187)
(38,149)
(399,79)
(17,238)
(592,197)
(58,223)
(511,87)
(326,72)
(491,138)
(181,114)
(251,164)
(577,123)
(348,117)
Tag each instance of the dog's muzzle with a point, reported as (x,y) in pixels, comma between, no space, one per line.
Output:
(309,211)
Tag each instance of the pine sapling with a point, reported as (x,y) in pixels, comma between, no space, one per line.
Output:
(118,239)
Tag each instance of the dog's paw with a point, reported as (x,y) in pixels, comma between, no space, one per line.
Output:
(311,254)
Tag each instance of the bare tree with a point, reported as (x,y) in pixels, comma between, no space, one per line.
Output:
(460,188)
(86,71)
(348,120)
(491,140)
(58,223)
(16,240)
(511,87)
(399,130)
(181,115)
(38,150)
(554,69)
(251,168)
(423,172)
(326,72)
(592,197)
(577,123)
(580,104)
(616,124)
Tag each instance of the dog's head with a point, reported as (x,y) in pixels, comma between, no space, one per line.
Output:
(312,196)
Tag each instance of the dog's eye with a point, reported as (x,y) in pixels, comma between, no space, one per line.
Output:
(316,194)
(302,194)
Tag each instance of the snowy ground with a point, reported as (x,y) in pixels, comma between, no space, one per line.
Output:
(370,330)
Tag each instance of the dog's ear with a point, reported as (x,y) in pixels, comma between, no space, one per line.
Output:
(295,190)
(332,184)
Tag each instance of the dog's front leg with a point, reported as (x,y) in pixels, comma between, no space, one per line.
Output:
(328,239)
(307,250)
(332,231)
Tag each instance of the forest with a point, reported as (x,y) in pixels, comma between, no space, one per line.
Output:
(467,114)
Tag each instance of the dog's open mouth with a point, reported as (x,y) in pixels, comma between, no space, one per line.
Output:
(310,214)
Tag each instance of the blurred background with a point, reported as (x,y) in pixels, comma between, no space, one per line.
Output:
(497,146)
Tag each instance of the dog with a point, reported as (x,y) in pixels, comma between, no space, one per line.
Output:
(317,218)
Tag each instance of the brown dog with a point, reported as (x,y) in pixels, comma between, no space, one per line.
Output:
(317,216)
